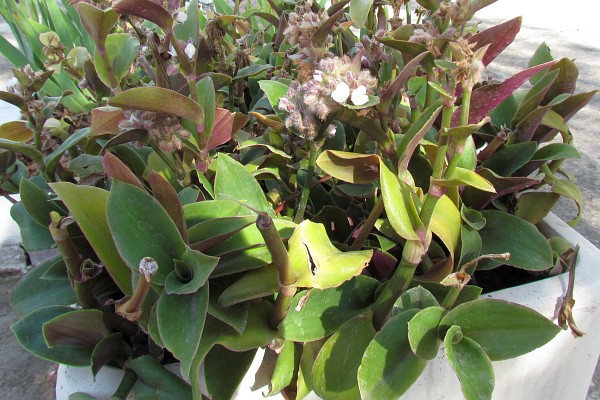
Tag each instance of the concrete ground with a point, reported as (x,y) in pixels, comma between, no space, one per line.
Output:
(570,29)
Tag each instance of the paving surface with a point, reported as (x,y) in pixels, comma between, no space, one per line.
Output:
(570,29)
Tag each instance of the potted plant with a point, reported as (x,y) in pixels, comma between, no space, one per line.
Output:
(332,183)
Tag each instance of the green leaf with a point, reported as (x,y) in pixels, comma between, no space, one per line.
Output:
(350,167)
(78,327)
(304,384)
(417,298)
(431,5)
(466,177)
(389,367)
(503,233)
(422,332)
(180,323)
(251,70)
(24,149)
(156,99)
(35,237)
(472,366)
(224,370)
(542,55)
(274,90)
(317,263)
(33,292)
(336,366)
(106,350)
(97,23)
(121,48)
(166,384)
(208,234)
(398,204)
(206,98)
(235,316)
(556,151)
(207,210)
(89,205)
(29,333)
(252,285)
(506,161)
(142,228)
(534,206)
(286,367)
(37,202)
(191,273)
(315,314)
(445,223)
(231,179)
(504,330)
(190,28)
(12,54)
(53,158)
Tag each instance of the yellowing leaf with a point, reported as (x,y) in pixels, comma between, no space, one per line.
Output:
(446,222)
(318,263)
(16,131)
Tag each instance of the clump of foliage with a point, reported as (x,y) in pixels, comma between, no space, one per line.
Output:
(322,181)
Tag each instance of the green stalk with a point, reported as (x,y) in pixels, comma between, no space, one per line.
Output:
(306,189)
(129,379)
(282,261)
(413,251)
(180,174)
(195,378)
(368,225)
(72,260)
(408,13)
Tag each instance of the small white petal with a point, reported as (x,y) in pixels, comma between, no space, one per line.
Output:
(190,50)
(318,76)
(359,96)
(181,17)
(341,92)
(331,130)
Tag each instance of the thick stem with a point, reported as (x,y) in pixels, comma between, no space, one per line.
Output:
(195,378)
(368,225)
(306,189)
(281,260)
(129,379)
(72,260)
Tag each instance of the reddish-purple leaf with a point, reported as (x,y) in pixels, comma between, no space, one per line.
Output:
(146,9)
(486,98)
(116,169)
(166,195)
(407,72)
(498,37)
(223,129)
(105,120)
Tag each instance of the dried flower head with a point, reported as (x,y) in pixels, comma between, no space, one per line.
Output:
(165,130)
(335,81)
(301,31)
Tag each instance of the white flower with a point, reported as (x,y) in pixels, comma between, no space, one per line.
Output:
(359,96)
(331,130)
(181,17)
(190,50)
(341,92)
(318,76)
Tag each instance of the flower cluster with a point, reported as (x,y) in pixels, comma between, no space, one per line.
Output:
(301,31)
(335,81)
(164,130)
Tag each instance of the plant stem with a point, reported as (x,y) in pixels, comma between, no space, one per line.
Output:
(129,379)
(72,260)
(306,189)
(282,261)
(368,225)
(408,13)
(195,378)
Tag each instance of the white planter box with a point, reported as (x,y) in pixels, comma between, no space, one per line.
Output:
(562,369)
